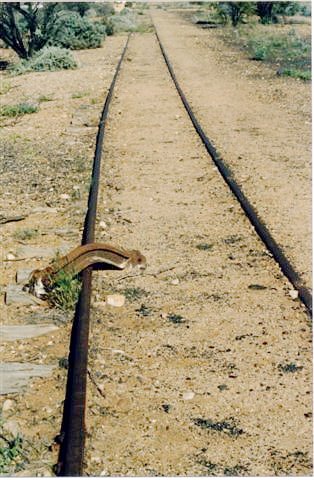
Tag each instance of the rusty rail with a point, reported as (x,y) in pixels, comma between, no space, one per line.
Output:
(72,436)
(261,229)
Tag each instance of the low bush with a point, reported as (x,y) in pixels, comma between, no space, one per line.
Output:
(49,58)
(65,291)
(288,51)
(17,110)
(75,32)
(128,21)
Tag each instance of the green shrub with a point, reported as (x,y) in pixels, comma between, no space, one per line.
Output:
(75,32)
(17,110)
(64,291)
(295,73)
(290,52)
(125,21)
(49,58)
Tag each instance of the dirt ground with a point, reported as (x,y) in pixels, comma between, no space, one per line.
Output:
(206,369)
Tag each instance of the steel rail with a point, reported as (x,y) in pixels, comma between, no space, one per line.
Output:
(73,433)
(261,229)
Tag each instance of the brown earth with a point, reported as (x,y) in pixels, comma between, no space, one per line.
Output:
(206,370)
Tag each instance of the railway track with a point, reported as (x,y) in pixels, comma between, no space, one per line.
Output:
(73,426)
(72,436)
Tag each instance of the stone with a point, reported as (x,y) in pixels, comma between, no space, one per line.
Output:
(116,300)
(23,274)
(10,256)
(7,405)
(188,395)
(65,196)
(11,427)
(16,295)
(29,251)
(102,224)
(175,281)
(45,210)
(15,376)
(9,333)
(294,294)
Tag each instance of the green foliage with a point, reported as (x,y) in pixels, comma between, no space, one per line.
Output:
(64,291)
(17,110)
(25,234)
(26,27)
(291,52)
(134,293)
(128,20)
(295,73)
(79,7)
(75,32)
(234,11)
(10,452)
(5,87)
(49,58)
(174,318)
(286,8)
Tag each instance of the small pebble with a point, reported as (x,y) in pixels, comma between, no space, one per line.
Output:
(10,256)
(102,224)
(188,395)
(294,294)
(64,196)
(116,300)
(175,281)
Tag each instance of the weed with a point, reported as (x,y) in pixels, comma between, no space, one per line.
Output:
(10,452)
(80,165)
(296,73)
(17,110)
(25,234)
(45,98)
(173,318)
(49,58)
(289,368)
(223,426)
(64,291)
(144,310)
(211,467)
(134,293)
(236,471)
(205,246)
(288,51)
(5,87)
(222,387)
(232,239)
(79,94)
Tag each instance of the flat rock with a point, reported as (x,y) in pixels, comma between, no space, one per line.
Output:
(115,300)
(23,274)
(9,333)
(29,251)
(15,376)
(15,295)
(45,210)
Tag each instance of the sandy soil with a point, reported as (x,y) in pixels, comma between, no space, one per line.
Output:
(46,159)
(161,376)
(259,122)
(206,370)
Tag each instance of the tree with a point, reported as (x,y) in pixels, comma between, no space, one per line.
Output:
(234,10)
(264,11)
(26,27)
(268,11)
(80,7)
